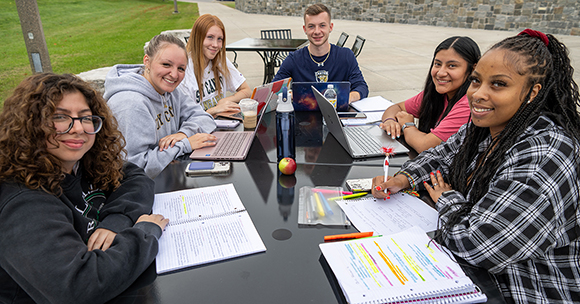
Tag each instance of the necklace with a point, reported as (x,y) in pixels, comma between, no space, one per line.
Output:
(320,64)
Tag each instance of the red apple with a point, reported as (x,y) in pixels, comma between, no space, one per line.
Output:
(287,166)
(287,181)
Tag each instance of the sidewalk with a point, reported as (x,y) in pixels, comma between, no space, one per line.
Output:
(395,58)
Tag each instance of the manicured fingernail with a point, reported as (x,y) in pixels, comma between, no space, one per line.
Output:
(432,173)
(378,188)
(398,136)
(388,133)
(424,182)
(438,172)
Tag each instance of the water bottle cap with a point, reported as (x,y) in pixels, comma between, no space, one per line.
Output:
(331,86)
(284,105)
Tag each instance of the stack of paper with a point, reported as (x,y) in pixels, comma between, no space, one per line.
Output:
(370,104)
(372,118)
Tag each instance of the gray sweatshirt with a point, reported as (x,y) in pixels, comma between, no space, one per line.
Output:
(145,116)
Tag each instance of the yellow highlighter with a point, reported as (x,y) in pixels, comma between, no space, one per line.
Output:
(348,196)
(319,207)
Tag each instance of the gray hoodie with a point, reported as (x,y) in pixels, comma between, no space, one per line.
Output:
(145,116)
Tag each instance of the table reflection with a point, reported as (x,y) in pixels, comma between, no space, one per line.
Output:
(314,145)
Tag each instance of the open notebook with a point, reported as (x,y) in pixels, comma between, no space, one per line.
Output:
(205,225)
(406,267)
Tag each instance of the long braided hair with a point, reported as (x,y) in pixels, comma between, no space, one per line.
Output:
(433,104)
(558,99)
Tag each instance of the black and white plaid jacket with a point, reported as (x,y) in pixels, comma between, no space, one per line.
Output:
(525,230)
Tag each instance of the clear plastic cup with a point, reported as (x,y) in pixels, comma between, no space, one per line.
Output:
(249,109)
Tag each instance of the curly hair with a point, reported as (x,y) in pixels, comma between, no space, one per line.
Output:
(558,99)
(432,105)
(26,125)
(195,49)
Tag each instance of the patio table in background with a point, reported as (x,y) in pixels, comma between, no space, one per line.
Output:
(268,49)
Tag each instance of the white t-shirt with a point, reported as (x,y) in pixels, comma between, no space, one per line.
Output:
(210,93)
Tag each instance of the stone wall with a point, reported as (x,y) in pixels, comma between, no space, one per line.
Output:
(554,17)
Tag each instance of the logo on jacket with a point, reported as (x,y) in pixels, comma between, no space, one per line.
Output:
(164,117)
(321,76)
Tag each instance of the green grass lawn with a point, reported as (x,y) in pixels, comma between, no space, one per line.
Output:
(231,4)
(82,35)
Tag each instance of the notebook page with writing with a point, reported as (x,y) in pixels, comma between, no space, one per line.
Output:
(205,225)
(192,204)
(400,267)
(400,212)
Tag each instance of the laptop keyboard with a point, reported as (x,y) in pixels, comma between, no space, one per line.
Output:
(231,144)
(361,138)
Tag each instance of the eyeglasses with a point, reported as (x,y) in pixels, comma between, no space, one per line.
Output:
(63,123)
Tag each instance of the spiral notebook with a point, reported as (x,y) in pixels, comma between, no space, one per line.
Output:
(205,225)
(406,267)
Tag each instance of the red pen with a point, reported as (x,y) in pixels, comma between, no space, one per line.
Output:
(347,236)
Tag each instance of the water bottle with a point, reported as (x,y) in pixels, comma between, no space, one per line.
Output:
(285,127)
(330,94)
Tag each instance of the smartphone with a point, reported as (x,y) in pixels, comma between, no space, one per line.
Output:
(232,115)
(208,168)
(227,124)
(348,115)
(361,184)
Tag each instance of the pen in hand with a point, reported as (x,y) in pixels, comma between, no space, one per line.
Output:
(388,151)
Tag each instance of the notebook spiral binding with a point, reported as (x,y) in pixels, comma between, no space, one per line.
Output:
(442,296)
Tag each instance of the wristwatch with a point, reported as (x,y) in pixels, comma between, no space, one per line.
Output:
(408,124)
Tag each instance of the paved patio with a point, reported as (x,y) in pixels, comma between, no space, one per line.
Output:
(395,58)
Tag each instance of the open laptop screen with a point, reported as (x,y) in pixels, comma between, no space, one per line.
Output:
(303,97)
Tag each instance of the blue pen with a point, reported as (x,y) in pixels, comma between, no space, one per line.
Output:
(326,204)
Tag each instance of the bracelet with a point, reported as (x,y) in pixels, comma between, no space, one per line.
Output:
(389,118)
(409,177)
(411,192)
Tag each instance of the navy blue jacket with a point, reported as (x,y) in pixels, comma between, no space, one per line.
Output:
(341,66)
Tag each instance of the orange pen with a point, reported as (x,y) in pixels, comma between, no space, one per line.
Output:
(347,236)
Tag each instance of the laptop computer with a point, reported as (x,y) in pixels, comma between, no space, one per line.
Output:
(230,145)
(260,94)
(303,98)
(358,141)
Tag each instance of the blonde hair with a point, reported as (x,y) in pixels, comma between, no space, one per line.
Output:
(195,49)
(159,42)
